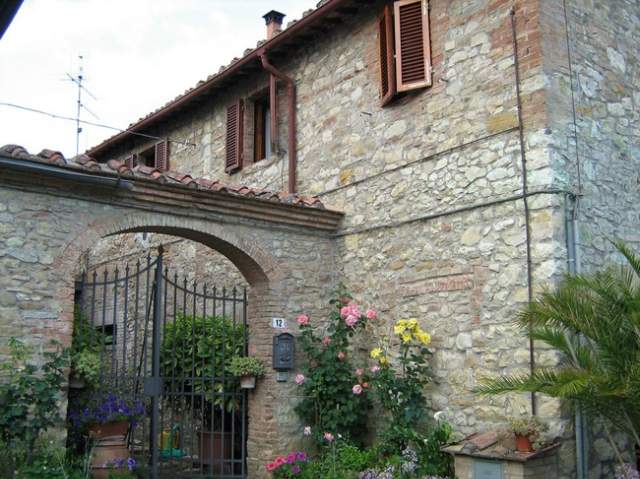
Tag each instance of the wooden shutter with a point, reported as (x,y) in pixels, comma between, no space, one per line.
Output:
(234,144)
(385,45)
(129,161)
(413,51)
(162,155)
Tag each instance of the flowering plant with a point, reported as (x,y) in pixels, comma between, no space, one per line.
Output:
(335,392)
(110,409)
(287,466)
(121,468)
(400,389)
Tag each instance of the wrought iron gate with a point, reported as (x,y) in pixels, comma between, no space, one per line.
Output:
(167,341)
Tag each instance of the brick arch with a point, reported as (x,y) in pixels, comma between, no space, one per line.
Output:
(251,259)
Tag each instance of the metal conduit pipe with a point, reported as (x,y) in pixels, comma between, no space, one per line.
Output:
(573,268)
(291,93)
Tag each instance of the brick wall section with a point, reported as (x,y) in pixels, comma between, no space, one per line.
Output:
(46,234)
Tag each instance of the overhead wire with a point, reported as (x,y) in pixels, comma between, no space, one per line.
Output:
(99,125)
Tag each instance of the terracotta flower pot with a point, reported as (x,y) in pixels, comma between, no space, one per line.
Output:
(107,451)
(248,382)
(523,443)
(109,429)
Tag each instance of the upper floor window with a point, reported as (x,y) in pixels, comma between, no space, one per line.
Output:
(261,128)
(404,46)
(155,156)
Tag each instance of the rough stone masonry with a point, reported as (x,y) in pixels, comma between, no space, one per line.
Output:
(431,185)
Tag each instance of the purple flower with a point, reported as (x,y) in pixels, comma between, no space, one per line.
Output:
(301,456)
(295,469)
(131,463)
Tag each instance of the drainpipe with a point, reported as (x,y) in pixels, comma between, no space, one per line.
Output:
(573,267)
(291,93)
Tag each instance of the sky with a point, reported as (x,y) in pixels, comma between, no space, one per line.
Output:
(137,55)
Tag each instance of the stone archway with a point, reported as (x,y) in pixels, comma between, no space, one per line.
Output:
(284,249)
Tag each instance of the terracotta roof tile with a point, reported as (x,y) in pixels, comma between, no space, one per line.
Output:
(147,173)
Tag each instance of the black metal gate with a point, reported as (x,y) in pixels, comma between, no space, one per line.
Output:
(167,341)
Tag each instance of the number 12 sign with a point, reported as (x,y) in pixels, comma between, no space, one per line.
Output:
(278,323)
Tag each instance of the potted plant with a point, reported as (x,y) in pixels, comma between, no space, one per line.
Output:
(528,433)
(247,368)
(197,351)
(108,417)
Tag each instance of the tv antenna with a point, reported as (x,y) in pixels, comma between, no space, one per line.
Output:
(78,80)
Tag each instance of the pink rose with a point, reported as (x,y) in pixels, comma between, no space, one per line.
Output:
(359,372)
(300,379)
(303,320)
(371,314)
(328,436)
(350,310)
(351,321)
(271,466)
(357,389)
(375,369)
(326,341)
(307,431)
(280,460)
(341,355)
(365,385)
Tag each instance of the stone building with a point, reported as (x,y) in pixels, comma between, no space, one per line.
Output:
(496,150)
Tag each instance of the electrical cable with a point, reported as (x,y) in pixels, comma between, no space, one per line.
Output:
(100,125)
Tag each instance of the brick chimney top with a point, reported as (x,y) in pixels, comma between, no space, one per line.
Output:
(273,20)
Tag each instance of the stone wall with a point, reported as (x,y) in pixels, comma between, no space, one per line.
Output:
(594,120)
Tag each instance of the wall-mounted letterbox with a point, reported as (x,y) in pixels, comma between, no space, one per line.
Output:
(283,352)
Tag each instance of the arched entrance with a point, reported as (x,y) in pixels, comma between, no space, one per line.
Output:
(283,248)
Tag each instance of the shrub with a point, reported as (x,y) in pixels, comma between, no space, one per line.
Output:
(29,394)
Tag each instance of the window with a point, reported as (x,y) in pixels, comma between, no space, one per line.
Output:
(108,332)
(404,47)
(155,156)
(261,128)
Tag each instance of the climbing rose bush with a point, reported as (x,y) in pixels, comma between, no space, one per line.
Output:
(335,392)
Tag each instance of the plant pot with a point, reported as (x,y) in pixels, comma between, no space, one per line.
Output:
(106,451)
(215,449)
(523,443)
(248,382)
(110,429)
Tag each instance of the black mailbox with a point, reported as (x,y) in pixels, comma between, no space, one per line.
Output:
(283,352)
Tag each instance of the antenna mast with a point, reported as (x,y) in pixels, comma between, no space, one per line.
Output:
(79,106)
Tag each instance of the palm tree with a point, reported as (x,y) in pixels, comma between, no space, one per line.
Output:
(594,322)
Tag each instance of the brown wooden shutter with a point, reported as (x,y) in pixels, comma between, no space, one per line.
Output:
(162,155)
(385,45)
(413,51)
(129,161)
(234,144)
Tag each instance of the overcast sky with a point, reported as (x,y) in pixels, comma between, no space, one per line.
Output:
(138,54)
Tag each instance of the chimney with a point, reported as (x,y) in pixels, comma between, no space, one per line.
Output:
(273,20)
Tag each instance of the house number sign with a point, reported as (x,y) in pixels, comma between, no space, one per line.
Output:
(278,323)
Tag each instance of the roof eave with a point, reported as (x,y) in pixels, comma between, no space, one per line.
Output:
(230,71)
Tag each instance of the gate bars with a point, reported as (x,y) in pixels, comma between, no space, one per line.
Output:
(168,341)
